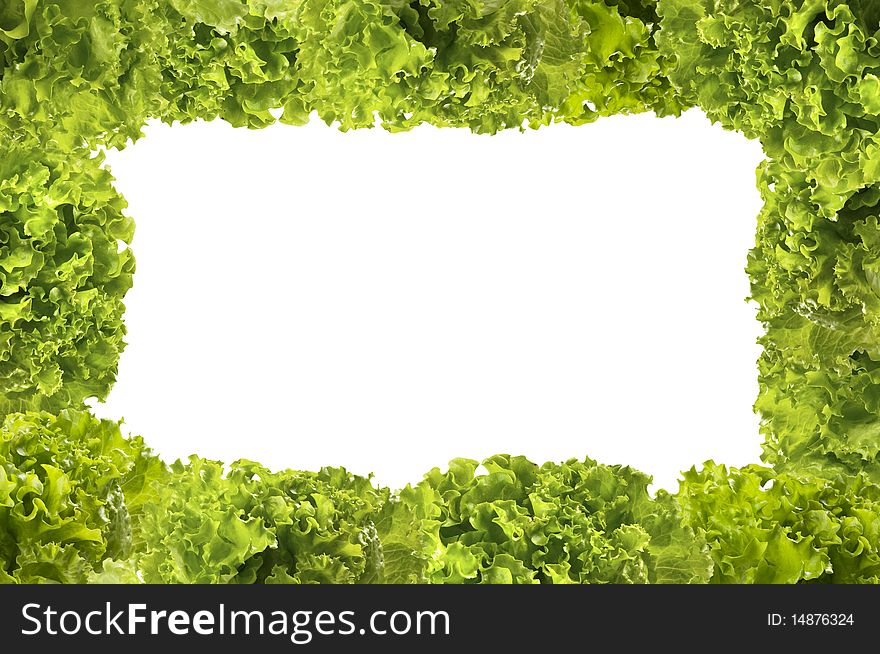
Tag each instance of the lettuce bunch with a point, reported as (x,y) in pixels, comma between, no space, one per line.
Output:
(769,528)
(71,487)
(449,63)
(246,524)
(575,522)
(78,73)
(64,270)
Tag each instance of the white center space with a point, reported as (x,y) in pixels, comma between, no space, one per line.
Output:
(387,302)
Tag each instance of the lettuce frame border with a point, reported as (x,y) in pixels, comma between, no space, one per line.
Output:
(801,76)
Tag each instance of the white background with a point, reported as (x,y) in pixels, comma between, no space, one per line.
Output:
(387,302)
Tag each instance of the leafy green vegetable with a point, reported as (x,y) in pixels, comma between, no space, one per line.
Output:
(64,269)
(802,76)
(73,508)
(249,525)
(577,522)
(63,509)
(764,527)
(75,72)
(78,502)
(446,62)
